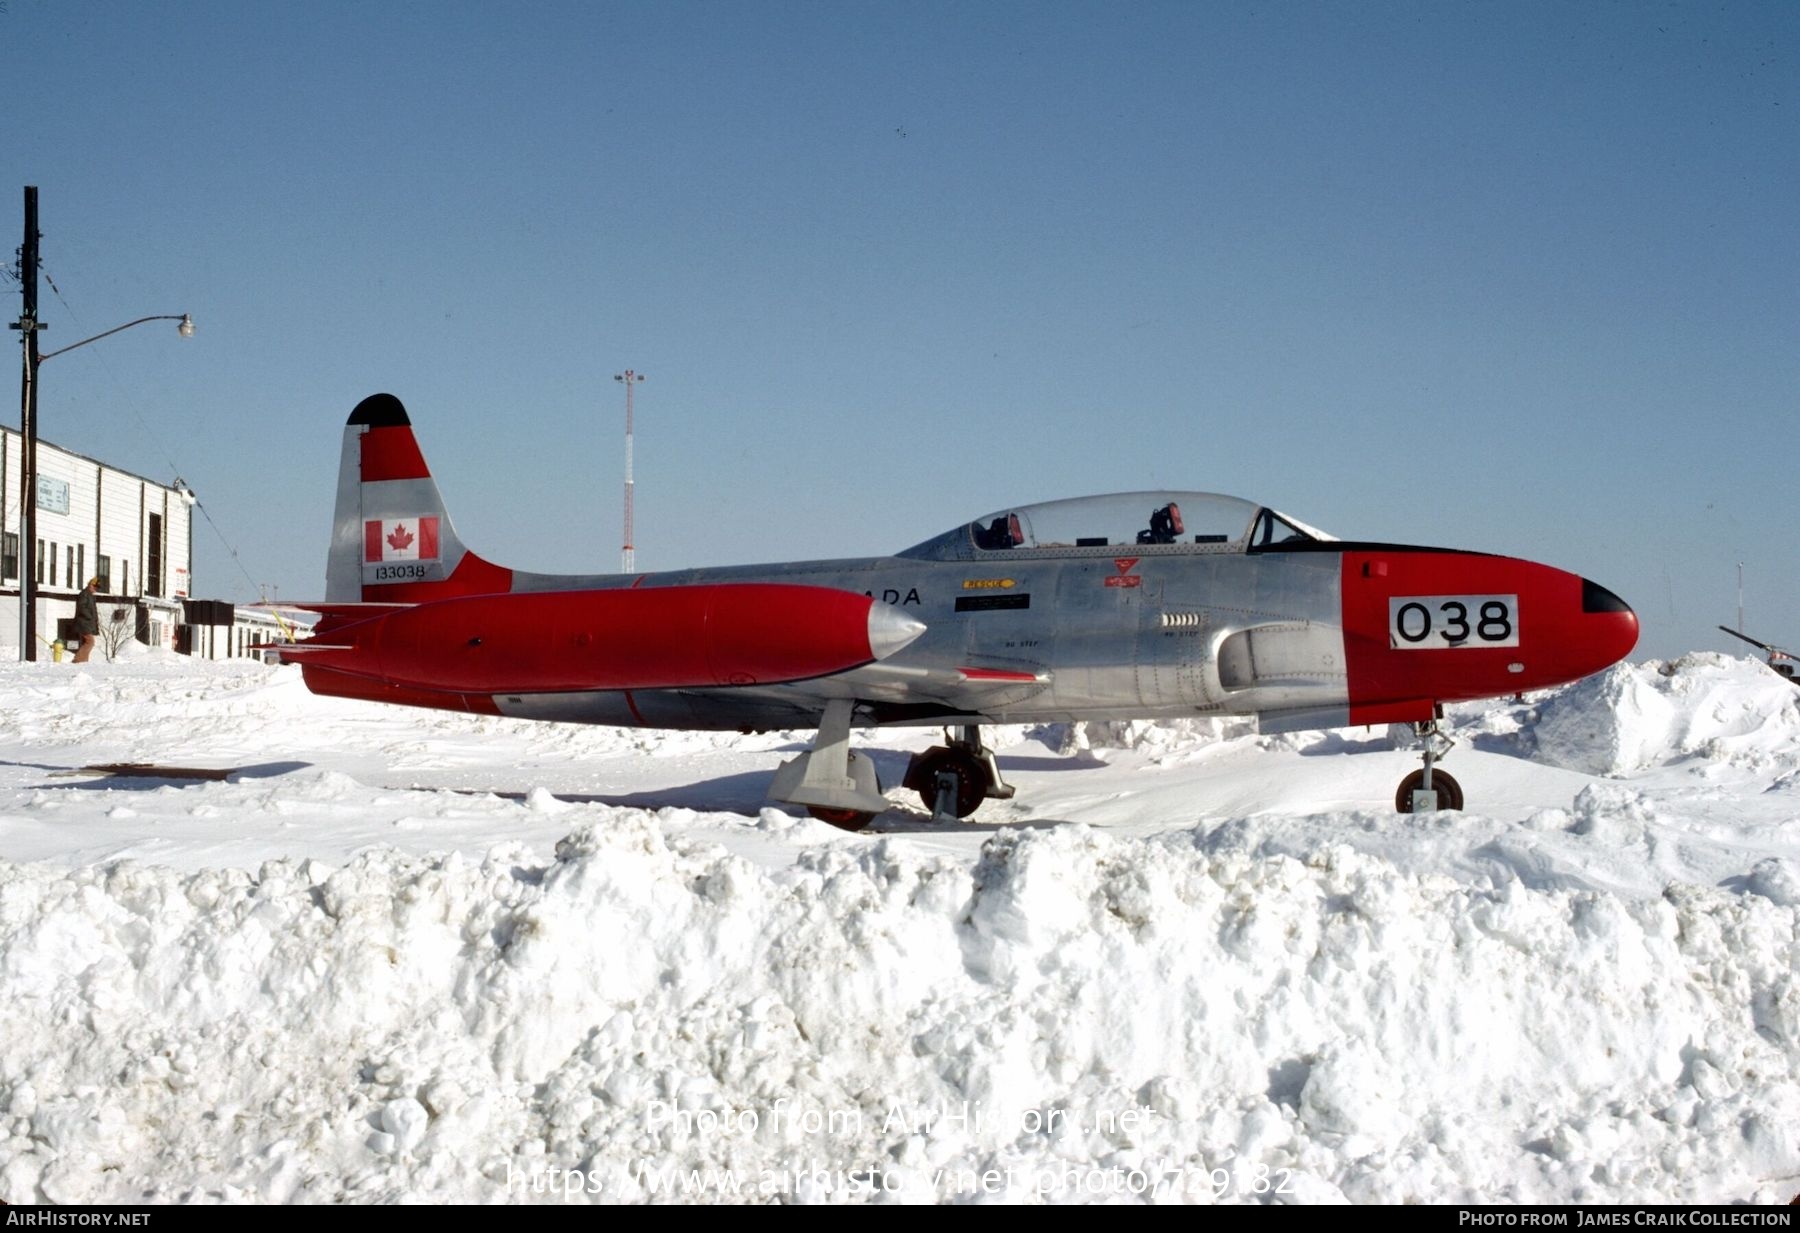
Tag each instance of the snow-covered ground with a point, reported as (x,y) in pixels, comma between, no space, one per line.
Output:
(411,955)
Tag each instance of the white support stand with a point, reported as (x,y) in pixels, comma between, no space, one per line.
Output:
(829,775)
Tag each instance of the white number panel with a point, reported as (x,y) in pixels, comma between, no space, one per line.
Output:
(1434,622)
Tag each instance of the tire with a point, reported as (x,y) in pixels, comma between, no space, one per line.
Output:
(1450,793)
(843,819)
(971,778)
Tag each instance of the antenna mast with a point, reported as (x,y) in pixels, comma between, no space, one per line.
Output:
(628,555)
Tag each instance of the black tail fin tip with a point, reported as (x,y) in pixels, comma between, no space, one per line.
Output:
(379,411)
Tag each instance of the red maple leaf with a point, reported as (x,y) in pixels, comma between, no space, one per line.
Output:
(400,537)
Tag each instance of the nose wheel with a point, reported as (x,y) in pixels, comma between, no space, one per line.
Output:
(1449,792)
(1428,788)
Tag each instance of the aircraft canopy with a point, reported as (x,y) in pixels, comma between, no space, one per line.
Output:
(1190,521)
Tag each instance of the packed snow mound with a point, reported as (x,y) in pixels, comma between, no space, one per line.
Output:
(1718,707)
(1160,736)
(1185,962)
(135,709)
(1073,1016)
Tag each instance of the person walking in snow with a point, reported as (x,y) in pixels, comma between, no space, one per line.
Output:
(87,620)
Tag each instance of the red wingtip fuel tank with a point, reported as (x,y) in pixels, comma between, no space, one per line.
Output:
(624,638)
(1423,626)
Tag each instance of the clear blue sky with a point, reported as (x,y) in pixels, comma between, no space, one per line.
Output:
(1508,276)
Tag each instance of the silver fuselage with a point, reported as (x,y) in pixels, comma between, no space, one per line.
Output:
(1030,635)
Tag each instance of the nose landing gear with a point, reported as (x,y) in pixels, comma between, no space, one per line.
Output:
(1427,789)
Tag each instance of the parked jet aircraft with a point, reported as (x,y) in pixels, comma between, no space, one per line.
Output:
(1138,605)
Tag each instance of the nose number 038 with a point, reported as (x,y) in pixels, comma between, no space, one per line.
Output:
(1434,622)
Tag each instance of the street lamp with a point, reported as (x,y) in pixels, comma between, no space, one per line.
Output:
(28,325)
(185,329)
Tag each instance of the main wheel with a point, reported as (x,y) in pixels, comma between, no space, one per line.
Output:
(971,778)
(843,819)
(1449,792)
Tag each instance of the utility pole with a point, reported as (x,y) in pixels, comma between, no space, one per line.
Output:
(28,326)
(628,555)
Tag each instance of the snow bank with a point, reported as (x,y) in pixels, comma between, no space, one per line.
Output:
(1253,982)
(1157,736)
(160,705)
(1072,1016)
(1631,716)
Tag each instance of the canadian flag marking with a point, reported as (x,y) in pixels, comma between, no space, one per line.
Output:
(400,539)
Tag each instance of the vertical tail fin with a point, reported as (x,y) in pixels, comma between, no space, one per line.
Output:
(391,537)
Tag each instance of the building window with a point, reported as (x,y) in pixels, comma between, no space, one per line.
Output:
(71,571)
(52,562)
(37,565)
(153,561)
(9,555)
(79,577)
(124,577)
(103,571)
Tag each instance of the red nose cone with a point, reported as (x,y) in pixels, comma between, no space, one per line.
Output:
(1609,626)
(1424,627)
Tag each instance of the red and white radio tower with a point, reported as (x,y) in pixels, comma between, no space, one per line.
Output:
(627,556)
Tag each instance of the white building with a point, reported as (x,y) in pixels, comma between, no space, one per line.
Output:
(133,534)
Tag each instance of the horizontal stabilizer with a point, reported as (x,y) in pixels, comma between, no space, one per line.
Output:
(352,610)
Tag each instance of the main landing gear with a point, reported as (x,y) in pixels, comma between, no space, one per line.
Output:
(954,778)
(839,786)
(1428,789)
